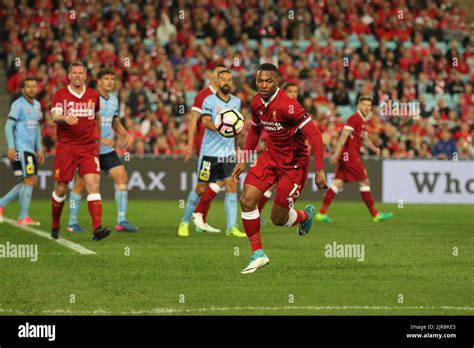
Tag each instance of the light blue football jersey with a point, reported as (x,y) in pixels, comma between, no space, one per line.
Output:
(109,109)
(214,144)
(26,116)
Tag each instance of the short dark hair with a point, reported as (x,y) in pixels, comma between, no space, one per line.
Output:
(364,98)
(288,85)
(268,67)
(224,72)
(220,66)
(26,79)
(105,71)
(76,63)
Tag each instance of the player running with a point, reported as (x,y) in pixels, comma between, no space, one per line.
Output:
(285,162)
(109,160)
(76,111)
(217,153)
(23,135)
(292,90)
(203,194)
(349,164)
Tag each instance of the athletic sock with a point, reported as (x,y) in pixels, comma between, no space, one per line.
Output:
(74,205)
(230,207)
(94,203)
(57,204)
(328,197)
(251,222)
(193,199)
(264,199)
(25,200)
(368,200)
(295,217)
(121,198)
(205,202)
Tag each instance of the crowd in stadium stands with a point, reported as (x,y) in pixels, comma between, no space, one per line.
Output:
(406,51)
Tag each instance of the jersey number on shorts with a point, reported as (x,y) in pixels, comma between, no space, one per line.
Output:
(294,193)
(205,172)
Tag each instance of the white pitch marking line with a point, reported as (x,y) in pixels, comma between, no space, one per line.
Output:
(64,242)
(227,309)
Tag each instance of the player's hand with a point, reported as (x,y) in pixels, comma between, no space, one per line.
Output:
(239,168)
(188,152)
(321,180)
(11,154)
(71,120)
(333,159)
(107,142)
(127,142)
(40,157)
(377,151)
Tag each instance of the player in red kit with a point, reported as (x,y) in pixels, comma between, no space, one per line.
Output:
(349,164)
(76,111)
(285,162)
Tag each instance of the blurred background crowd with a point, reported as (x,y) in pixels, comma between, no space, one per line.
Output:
(334,50)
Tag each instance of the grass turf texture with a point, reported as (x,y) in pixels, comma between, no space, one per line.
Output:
(411,255)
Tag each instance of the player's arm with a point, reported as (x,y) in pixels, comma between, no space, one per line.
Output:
(346,133)
(121,131)
(58,117)
(9,126)
(315,139)
(207,122)
(39,146)
(370,145)
(195,115)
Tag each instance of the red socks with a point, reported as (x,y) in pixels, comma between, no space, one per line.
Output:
(368,200)
(328,197)
(205,201)
(94,203)
(251,222)
(57,204)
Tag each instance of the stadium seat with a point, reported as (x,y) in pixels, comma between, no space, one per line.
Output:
(345,111)
(189,98)
(391,45)
(430,101)
(338,44)
(352,97)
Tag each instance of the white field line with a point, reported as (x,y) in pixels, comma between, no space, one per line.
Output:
(230,309)
(64,242)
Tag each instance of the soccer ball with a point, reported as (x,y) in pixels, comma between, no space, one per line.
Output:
(229,123)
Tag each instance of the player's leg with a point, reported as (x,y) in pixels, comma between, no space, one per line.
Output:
(14,193)
(209,174)
(192,200)
(26,192)
(366,195)
(283,213)
(230,207)
(89,168)
(120,178)
(265,197)
(75,198)
(57,204)
(333,190)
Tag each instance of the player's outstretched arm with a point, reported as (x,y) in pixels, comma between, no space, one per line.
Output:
(315,139)
(340,144)
(121,131)
(370,145)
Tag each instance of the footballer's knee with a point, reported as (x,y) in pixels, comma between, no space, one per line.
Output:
(200,188)
(31,181)
(61,189)
(278,219)
(247,203)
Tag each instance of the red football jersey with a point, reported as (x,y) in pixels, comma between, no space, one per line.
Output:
(84,107)
(356,124)
(197,106)
(282,117)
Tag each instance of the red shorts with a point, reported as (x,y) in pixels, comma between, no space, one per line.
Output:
(69,157)
(289,182)
(349,171)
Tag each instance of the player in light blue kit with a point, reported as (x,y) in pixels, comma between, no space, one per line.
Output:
(24,148)
(109,161)
(217,156)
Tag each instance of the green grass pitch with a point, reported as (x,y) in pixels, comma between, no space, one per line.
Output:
(410,255)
